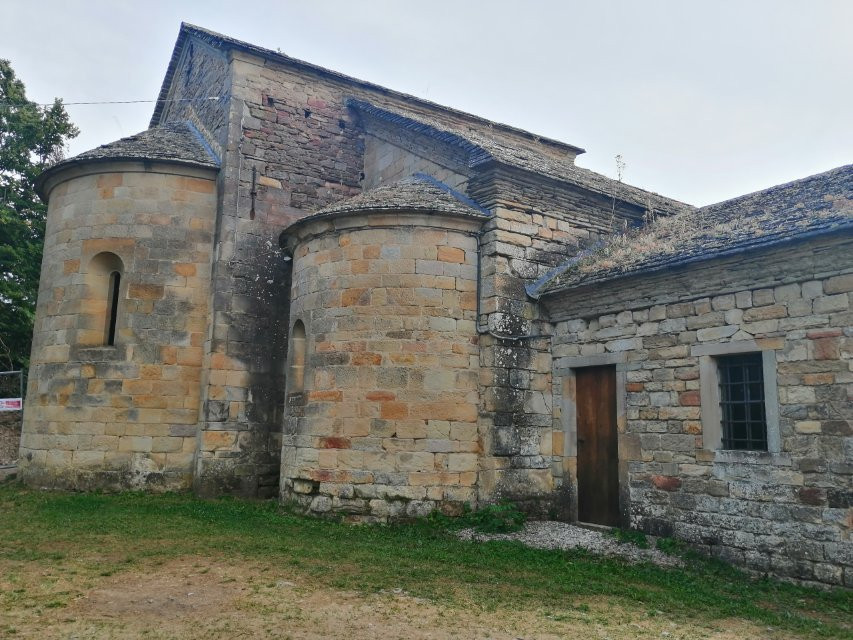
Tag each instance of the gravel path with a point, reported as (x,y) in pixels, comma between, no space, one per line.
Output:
(546,534)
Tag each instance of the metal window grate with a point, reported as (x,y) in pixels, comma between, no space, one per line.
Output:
(742,402)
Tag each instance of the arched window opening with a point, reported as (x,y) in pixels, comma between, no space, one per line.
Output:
(112,309)
(101,321)
(298,346)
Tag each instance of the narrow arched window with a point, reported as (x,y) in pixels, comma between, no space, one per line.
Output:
(101,309)
(112,308)
(296,374)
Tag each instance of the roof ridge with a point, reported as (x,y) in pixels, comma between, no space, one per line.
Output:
(794,211)
(190,29)
(453,192)
(202,140)
(791,183)
(503,152)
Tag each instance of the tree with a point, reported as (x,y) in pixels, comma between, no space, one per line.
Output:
(32,138)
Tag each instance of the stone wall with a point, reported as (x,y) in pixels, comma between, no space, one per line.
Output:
(200,91)
(99,416)
(392,153)
(786,511)
(294,143)
(10,436)
(386,425)
(538,224)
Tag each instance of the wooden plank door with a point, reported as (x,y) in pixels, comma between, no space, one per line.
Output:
(598,455)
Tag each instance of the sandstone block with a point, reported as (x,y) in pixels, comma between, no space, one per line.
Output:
(839,284)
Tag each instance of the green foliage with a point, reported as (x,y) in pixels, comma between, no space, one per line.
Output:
(31,139)
(503,517)
(671,546)
(629,536)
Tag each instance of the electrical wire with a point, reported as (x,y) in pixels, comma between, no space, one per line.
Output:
(67,104)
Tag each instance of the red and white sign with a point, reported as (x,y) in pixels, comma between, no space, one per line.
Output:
(11,404)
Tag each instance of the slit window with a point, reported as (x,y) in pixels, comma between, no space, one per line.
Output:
(296,374)
(742,402)
(112,308)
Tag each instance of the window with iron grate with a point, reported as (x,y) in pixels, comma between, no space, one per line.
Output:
(742,402)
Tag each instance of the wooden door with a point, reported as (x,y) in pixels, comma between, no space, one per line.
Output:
(598,456)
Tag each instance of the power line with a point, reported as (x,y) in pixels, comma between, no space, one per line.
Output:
(66,104)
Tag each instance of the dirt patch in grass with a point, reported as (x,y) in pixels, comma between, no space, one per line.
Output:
(212,598)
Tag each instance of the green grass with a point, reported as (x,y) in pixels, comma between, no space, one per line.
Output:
(629,536)
(116,532)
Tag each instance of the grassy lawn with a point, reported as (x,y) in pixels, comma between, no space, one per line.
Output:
(77,561)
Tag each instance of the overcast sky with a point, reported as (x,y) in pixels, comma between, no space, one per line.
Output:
(704,100)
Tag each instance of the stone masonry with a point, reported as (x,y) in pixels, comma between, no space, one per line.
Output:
(368,304)
(786,512)
(122,416)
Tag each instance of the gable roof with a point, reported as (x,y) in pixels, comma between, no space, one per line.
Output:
(797,210)
(483,148)
(487,140)
(223,42)
(419,192)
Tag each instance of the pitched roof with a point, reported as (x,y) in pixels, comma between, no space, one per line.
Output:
(484,147)
(418,192)
(220,41)
(488,140)
(816,205)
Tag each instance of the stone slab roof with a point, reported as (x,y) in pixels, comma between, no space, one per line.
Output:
(178,142)
(484,148)
(171,142)
(419,192)
(816,205)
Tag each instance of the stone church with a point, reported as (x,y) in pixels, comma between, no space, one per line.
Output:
(303,285)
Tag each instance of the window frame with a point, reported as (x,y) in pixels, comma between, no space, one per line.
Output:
(709,392)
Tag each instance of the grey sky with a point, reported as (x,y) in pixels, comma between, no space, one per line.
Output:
(704,100)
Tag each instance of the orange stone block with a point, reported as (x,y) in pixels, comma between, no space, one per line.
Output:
(360,266)
(327,396)
(190,356)
(380,396)
(70,266)
(146,291)
(334,442)
(450,254)
(199,185)
(352,297)
(150,372)
(394,410)
(184,269)
(169,355)
(218,439)
(96,245)
(816,379)
(367,358)
(689,399)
